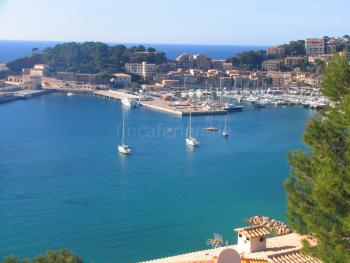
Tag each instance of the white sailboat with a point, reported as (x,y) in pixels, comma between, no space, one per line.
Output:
(122,148)
(191,141)
(225,132)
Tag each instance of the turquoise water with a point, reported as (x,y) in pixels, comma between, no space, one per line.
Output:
(64,185)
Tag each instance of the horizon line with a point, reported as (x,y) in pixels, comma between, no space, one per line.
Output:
(140,43)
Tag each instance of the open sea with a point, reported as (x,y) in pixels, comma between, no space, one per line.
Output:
(64,185)
(10,50)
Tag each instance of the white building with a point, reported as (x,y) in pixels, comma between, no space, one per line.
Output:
(3,67)
(251,239)
(39,70)
(122,79)
(147,71)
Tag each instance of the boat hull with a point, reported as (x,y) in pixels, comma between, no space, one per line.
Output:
(192,142)
(130,103)
(233,109)
(124,149)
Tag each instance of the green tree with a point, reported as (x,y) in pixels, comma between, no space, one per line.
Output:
(35,50)
(10,259)
(59,256)
(88,57)
(295,48)
(318,187)
(248,59)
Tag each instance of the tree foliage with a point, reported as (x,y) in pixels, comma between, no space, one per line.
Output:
(248,59)
(26,62)
(94,57)
(295,48)
(318,187)
(59,256)
(89,57)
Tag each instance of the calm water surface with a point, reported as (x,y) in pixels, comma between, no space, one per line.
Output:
(64,185)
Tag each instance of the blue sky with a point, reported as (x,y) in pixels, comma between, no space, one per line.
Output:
(254,22)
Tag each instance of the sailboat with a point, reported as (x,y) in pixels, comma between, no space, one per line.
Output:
(225,132)
(191,141)
(211,128)
(122,148)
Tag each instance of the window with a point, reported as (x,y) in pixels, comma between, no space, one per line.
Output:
(240,235)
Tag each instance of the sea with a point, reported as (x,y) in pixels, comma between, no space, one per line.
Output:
(64,185)
(10,50)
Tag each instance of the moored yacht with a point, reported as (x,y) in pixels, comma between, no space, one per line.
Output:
(191,141)
(130,103)
(232,108)
(225,132)
(122,148)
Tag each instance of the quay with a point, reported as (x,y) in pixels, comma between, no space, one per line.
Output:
(161,105)
(21,94)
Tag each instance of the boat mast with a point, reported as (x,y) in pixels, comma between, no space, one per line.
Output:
(220,91)
(123,130)
(190,131)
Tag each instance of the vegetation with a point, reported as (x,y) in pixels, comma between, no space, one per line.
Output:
(27,62)
(295,48)
(60,256)
(88,57)
(318,188)
(249,60)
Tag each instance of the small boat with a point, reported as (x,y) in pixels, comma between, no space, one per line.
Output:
(259,105)
(122,148)
(211,128)
(225,132)
(70,94)
(191,141)
(232,108)
(130,103)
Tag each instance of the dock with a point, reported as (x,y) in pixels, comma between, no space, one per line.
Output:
(161,105)
(21,94)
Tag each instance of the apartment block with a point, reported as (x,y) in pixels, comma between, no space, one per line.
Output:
(315,46)
(272,64)
(275,51)
(294,61)
(147,71)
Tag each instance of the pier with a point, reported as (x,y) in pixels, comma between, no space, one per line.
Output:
(162,105)
(21,94)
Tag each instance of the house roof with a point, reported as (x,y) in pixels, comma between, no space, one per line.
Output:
(253,231)
(292,257)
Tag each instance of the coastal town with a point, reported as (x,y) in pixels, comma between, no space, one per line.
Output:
(194,83)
